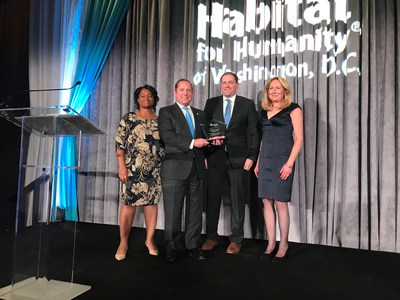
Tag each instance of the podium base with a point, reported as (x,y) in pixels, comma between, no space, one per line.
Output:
(42,289)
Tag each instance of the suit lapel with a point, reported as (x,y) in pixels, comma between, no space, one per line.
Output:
(220,108)
(236,109)
(177,111)
(196,122)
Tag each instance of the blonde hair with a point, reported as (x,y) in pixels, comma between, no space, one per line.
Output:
(266,103)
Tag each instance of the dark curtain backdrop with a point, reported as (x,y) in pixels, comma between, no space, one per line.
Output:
(14,37)
(343,67)
(347,178)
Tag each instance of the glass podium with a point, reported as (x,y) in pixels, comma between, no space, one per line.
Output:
(45,232)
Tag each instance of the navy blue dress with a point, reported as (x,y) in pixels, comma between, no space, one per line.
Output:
(277,143)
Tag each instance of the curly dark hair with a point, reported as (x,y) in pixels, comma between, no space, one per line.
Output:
(153,92)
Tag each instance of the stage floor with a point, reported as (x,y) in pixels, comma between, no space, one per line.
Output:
(311,271)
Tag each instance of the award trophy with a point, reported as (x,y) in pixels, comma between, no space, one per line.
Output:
(214,129)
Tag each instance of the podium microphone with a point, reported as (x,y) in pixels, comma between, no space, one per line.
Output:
(6,103)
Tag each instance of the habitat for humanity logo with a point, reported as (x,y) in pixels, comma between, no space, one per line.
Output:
(262,33)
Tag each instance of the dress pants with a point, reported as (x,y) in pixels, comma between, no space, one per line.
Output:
(216,178)
(174,193)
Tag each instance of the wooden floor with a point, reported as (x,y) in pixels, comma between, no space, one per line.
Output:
(311,271)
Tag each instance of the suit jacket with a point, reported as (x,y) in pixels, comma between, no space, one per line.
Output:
(243,136)
(176,136)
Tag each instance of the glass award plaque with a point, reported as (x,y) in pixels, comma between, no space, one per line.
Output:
(214,129)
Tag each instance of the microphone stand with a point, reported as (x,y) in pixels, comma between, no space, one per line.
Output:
(6,103)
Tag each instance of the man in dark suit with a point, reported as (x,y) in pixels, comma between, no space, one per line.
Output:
(231,161)
(182,171)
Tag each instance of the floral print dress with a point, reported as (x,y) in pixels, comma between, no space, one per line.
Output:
(144,151)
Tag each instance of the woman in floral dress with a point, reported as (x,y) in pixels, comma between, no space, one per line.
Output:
(139,153)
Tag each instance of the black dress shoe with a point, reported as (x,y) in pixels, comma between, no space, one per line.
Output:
(197,254)
(172,256)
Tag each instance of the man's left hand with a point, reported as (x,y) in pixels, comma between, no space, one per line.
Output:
(248,164)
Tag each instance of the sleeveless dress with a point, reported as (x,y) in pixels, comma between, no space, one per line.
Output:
(277,143)
(144,151)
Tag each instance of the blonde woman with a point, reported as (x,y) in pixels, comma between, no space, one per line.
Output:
(282,139)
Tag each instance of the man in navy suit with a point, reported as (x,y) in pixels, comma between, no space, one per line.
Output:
(231,161)
(182,171)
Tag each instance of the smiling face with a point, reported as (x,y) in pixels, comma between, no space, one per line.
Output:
(276,92)
(183,93)
(145,99)
(229,85)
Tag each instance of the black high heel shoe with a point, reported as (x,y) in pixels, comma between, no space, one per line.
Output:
(268,255)
(265,255)
(281,259)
